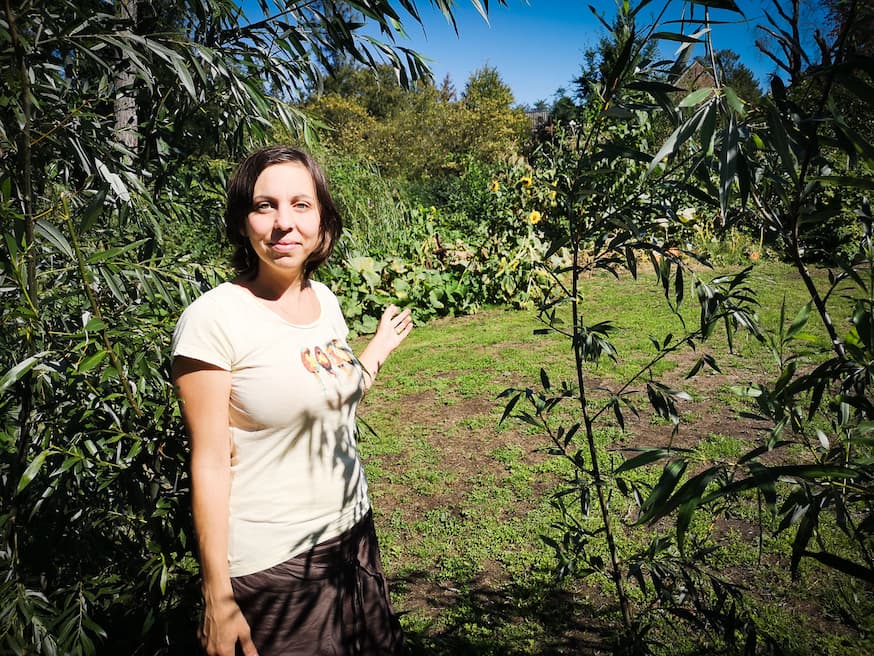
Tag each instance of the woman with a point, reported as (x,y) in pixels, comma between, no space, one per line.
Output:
(288,553)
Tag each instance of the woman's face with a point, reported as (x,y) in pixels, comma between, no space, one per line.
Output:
(283,224)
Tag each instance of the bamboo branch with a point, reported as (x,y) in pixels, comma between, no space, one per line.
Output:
(98,314)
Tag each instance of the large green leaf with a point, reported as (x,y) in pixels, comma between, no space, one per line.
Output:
(32,469)
(696,97)
(54,237)
(15,374)
(646,456)
(728,164)
(679,136)
(661,492)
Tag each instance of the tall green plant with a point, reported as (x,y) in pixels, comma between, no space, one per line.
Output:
(774,164)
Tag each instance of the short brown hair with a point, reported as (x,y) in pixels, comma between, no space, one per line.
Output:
(241,189)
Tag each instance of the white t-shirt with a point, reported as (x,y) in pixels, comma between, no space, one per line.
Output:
(296,478)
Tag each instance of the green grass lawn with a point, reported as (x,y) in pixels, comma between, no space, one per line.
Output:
(462,501)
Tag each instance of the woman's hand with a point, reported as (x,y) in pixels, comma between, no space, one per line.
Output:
(223,627)
(393,328)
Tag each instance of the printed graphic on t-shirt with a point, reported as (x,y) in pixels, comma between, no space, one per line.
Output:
(329,359)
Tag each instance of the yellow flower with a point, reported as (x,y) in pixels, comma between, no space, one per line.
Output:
(534,217)
(551,196)
(494,186)
(526,181)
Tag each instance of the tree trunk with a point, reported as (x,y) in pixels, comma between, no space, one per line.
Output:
(126,122)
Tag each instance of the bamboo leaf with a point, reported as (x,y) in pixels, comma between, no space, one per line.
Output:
(646,457)
(677,138)
(800,320)
(675,36)
(764,476)
(856,182)
(91,361)
(671,475)
(729,5)
(734,102)
(32,470)
(15,374)
(115,251)
(54,237)
(92,211)
(708,126)
(184,76)
(115,182)
(617,412)
(684,518)
(600,18)
(803,533)
(841,564)
(728,157)
(696,97)
(781,141)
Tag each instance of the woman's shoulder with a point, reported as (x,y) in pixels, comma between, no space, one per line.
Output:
(223,292)
(320,287)
(216,300)
(331,309)
(323,291)
(207,328)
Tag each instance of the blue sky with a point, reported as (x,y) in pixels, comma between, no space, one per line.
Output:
(537,46)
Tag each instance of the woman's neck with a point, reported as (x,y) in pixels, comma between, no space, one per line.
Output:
(276,288)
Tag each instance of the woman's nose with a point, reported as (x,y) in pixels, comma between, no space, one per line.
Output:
(284,218)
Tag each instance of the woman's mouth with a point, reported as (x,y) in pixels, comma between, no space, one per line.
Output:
(284,246)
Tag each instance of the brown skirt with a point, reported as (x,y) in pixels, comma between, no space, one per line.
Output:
(330,601)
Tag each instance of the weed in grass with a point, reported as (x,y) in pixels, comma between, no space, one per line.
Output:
(720,447)
(508,455)
(475,423)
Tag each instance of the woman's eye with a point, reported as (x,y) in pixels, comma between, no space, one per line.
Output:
(262,206)
(301,205)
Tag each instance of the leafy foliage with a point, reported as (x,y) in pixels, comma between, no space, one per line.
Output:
(114,129)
